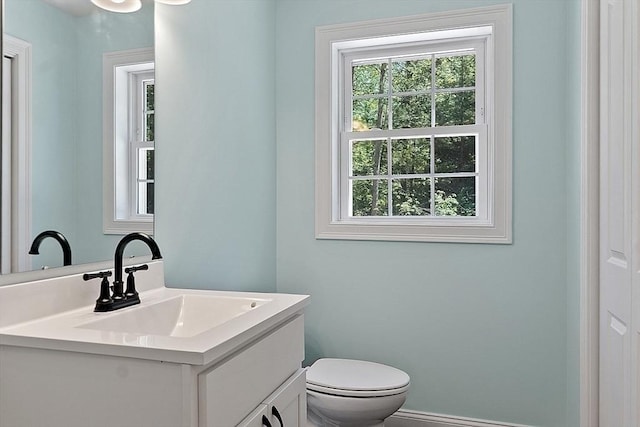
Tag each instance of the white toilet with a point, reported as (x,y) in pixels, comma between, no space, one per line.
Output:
(353,393)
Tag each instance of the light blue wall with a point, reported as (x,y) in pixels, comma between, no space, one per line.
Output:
(51,34)
(573,102)
(481,329)
(485,331)
(216,144)
(67,118)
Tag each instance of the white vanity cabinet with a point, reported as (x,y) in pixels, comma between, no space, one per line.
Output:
(286,407)
(257,418)
(266,373)
(182,358)
(60,388)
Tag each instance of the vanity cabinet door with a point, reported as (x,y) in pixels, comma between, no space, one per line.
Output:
(288,404)
(255,419)
(228,391)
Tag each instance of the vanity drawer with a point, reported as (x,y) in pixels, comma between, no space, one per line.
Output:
(229,391)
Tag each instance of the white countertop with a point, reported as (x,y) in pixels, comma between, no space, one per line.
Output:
(63,331)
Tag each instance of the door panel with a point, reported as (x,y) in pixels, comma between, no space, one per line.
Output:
(290,402)
(255,418)
(619,219)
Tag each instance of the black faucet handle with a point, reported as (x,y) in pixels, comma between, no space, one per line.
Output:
(104,301)
(100,275)
(129,270)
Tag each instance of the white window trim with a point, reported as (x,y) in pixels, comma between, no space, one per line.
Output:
(114,223)
(331,42)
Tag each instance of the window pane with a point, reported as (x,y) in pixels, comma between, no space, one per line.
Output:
(369,197)
(369,79)
(146,199)
(150,155)
(455,196)
(411,111)
(370,114)
(369,157)
(411,197)
(456,71)
(455,154)
(456,108)
(146,163)
(149,127)
(409,76)
(150,198)
(149,94)
(410,156)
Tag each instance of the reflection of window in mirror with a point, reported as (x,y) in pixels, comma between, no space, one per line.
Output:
(142,147)
(128,141)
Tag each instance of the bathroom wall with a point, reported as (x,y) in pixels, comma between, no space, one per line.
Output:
(216,151)
(481,329)
(573,102)
(485,331)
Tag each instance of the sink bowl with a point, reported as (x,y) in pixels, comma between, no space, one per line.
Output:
(181,316)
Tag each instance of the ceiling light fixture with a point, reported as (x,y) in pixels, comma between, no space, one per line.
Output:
(173,2)
(126,6)
(120,6)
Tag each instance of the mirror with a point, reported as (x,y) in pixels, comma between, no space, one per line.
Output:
(66,40)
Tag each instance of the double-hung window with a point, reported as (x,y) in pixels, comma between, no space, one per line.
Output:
(413,128)
(128,141)
(415,136)
(141,156)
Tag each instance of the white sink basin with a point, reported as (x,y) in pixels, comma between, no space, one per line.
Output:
(181,316)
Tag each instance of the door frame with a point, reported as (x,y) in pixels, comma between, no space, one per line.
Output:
(589,213)
(20,53)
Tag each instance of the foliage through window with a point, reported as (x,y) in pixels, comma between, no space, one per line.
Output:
(426,171)
(143,145)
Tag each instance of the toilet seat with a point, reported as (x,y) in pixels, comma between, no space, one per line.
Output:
(355,378)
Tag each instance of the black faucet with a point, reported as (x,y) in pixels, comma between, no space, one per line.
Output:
(59,237)
(117,261)
(119,299)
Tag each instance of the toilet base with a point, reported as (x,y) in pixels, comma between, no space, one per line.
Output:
(325,410)
(313,420)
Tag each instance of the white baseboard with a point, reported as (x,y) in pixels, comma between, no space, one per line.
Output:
(407,418)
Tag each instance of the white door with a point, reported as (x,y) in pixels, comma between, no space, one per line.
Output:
(619,215)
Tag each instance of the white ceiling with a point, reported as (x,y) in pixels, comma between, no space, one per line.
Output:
(74,7)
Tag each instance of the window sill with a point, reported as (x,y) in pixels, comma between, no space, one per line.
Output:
(470,231)
(126,227)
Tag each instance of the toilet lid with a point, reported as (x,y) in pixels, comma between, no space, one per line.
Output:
(346,377)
